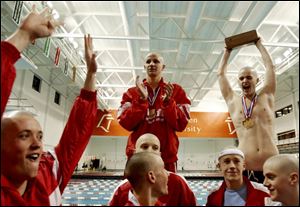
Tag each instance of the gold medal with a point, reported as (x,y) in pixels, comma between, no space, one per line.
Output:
(248,123)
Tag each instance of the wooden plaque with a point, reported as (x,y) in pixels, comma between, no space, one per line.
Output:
(241,39)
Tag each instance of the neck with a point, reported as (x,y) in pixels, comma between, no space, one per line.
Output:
(292,199)
(234,185)
(153,81)
(250,96)
(18,184)
(144,197)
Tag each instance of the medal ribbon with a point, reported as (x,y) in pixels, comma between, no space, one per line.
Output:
(152,100)
(248,111)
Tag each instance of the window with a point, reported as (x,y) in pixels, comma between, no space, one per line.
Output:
(36,83)
(283,111)
(57,98)
(286,135)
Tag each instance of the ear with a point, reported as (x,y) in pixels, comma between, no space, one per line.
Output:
(257,80)
(294,178)
(151,177)
(164,66)
(218,166)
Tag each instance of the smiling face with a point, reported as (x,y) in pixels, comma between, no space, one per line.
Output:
(282,177)
(21,147)
(154,65)
(247,80)
(276,182)
(232,167)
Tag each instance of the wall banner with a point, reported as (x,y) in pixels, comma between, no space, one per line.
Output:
(201,125)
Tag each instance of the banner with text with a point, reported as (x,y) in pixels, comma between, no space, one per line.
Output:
(201,124)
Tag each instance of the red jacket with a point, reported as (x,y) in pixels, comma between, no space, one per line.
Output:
(170,117)
(179,194)
(132,201)
(8,71)
(257,194)
(55,168)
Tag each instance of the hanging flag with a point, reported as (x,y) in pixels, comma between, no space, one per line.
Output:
(17,11)
(47,46)
(57,55)
(74,73)
(66,66)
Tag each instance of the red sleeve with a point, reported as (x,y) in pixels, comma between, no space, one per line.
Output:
(177,109)
(76,134)
(187,197)
(120,194)
(132,110)
(9,55)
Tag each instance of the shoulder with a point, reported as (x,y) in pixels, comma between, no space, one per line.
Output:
(215,190)
(269,202)
(132,89)
(178,179)
(177,86)
(259,187)
(123,185)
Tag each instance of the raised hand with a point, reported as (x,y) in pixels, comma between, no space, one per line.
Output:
(34,25)
(39,24)
(90,56)
(168,92)
(141,88)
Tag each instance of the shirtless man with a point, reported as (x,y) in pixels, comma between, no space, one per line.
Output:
(255,129)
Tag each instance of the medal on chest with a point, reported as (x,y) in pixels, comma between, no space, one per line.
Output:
(152,112)
(248,122)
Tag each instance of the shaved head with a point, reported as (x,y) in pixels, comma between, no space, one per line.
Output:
(283,163)
(152,54)
(139,165)
(12,116)
(147,142)
(248,68)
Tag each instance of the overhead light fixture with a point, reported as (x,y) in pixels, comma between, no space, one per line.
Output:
(55,14)
(287,52)
(278,61)
(50,4)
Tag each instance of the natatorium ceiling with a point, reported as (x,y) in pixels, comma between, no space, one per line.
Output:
(188,34)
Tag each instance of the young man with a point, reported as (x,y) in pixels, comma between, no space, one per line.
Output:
(179,193)
(156,107)
(149,180)
(30,176)
(252,113)
(236,189)
(282,179)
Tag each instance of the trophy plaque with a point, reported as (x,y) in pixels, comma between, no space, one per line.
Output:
(242,39)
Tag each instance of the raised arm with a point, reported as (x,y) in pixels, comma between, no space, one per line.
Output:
(81,122)
(90,81)
(224,84)
(270,76)
(35,25)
